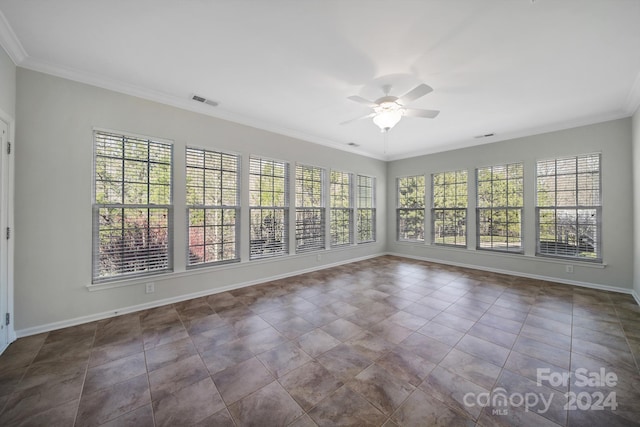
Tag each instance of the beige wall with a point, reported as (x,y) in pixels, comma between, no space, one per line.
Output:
(636,202)
(53,197)
(7,84)
(612,139)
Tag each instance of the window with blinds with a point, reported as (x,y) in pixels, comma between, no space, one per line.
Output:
(366,210)
(310,219)
(268,208)
(132,210)
(410,211)
(213,195)
(449,208)
(499,208)
(340,195)
(569,208)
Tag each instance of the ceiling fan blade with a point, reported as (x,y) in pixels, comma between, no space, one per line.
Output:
(414,112)
(361,100)
(415,93)
(358,118)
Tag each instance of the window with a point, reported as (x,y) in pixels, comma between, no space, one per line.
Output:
(366,223)
(212,206)
(132,211)
(569,207)
(341,208)
(499,208)
(449,208)
(411,204)
(269,208)
(310,223)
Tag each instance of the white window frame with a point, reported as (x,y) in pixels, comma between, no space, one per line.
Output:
(418,209)
(366,207)
(512,176)
(310,211)
(440,232)
(133,262)
(215,202)
(338,211)
(583,243)
(272,238)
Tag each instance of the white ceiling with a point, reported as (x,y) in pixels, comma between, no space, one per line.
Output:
(509,67)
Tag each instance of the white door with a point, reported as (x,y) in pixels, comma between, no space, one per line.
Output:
(4,265)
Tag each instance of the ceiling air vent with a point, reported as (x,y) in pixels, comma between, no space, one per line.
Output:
(204,100)
(486,135)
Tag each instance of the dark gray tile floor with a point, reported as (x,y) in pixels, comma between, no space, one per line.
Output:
(387,341)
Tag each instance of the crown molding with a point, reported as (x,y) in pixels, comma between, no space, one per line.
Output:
(633,100)
(12,45)
(554,127)
(189,105)
(183,103)
(10,42)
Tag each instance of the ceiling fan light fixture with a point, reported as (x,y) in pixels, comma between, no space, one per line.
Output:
(388,114)
(388,110)
(387,119)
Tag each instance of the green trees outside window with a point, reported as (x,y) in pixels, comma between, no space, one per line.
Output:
(449,208)
(341,203)
(132,211)
(410,211)
(268,208)
(366,210)
(310,219)
(499,208)
(569,207)
(213,196)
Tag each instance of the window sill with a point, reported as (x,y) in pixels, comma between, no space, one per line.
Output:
(192,271)
(513,256)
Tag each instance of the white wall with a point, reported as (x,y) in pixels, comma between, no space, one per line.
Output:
(612,139)
(7,84)
(636,202)
(53,196)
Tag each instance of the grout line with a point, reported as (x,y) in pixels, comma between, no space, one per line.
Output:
(361,282)
(86,371)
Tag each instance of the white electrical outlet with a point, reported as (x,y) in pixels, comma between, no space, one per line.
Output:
(318,257)
(150,288)
(569,268)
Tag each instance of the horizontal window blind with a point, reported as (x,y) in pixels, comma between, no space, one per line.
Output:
(569,207)
(310,212)
(411,205)
(132,211)
(500,198)
(366,209)
(213,195)
(449,208)
(341,200)
(269,208)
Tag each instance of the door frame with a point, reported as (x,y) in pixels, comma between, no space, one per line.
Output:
(6,220)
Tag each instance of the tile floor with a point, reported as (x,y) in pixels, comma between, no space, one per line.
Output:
(387,341)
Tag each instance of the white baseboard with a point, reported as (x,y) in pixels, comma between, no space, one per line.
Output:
(636,297)
(519,274)
(133,308)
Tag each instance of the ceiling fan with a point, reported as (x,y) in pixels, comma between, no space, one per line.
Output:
(388,110)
